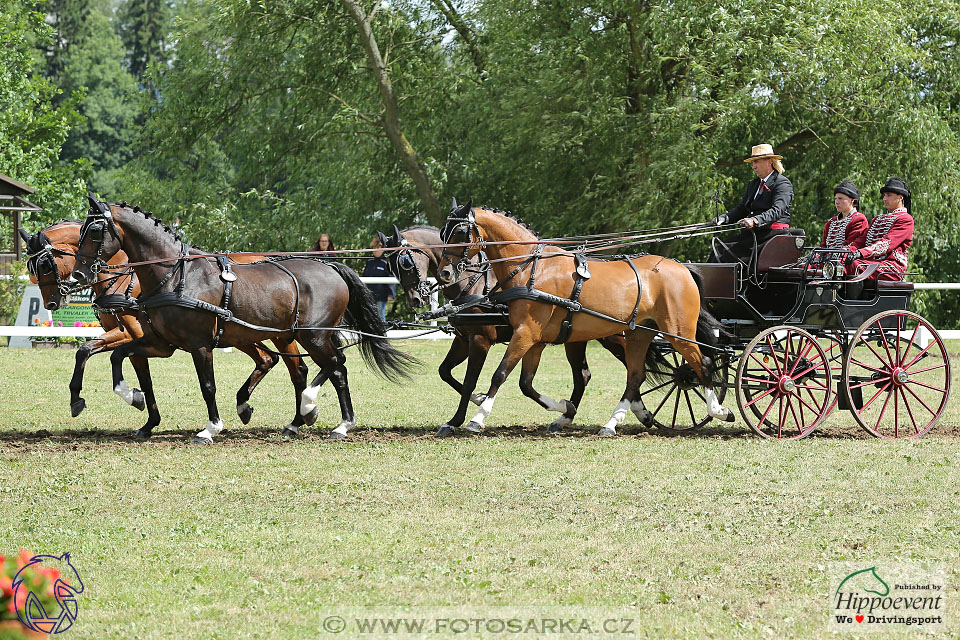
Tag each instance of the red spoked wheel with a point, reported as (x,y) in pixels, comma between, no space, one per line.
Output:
(784,383)
(674,394)
(896,386)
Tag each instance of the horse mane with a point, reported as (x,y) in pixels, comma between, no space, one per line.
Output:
(149,216)
(511,216)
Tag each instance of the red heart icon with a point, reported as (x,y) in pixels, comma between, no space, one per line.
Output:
(859,618)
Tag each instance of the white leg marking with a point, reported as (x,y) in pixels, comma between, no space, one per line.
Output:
(124,392)
(241,408)
(211,430)
(714,408)
(308,400)
(485,407)
(560,422)
(638,408)
(553,405)
(618,415)
(344,426)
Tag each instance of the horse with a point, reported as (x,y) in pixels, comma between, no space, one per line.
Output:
(198,304)
(645,294)
(52,259)
(417,253)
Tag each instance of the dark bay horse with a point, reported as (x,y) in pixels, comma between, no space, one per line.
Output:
(419,254)
(51,263)
(647,292)
(198,304)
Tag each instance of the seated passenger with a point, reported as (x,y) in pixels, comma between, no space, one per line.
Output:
(889,236)
(764,210)
(847,229)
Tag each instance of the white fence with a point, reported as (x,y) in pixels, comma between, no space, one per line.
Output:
(92,332)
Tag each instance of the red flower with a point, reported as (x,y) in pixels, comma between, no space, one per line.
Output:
(6,586)
(19,601)
(24,559)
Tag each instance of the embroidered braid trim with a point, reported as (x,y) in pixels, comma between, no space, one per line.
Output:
(837,234)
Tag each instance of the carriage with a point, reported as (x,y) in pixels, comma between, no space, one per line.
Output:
(801,341)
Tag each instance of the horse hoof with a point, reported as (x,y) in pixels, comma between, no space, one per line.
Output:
(138,402)
(554,429)
(201,440)
(142,434)
(730,417)
(291,431)
(473,427)
(446,431)
(478,398)
(336,435)
(76,408)
(607,432)
(311,417)
(646,419)
(246,414)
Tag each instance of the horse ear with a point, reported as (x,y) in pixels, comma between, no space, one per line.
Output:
(453,205)
(397,235)
(470,215)
(26,236)
(384,240)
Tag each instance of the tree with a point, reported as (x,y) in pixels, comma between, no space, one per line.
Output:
(32,128)
(143,26)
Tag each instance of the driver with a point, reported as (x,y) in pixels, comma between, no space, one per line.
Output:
(764,209)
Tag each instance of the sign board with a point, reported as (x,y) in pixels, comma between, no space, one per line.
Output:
(31,310)
(31,307)
(80,308)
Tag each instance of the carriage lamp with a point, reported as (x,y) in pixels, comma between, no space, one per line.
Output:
(830,270)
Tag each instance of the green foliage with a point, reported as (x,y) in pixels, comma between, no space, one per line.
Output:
(143,26)
(11,292)
(32,127)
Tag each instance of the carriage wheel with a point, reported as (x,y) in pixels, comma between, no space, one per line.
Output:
(895,387)
(675,397)
(784,383)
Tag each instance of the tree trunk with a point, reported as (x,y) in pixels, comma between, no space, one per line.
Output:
(391,117)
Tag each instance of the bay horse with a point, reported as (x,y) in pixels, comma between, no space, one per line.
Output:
(645,294)
(198,304)
(52,259)
(417,253)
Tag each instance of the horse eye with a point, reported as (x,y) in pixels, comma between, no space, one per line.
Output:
(405,262)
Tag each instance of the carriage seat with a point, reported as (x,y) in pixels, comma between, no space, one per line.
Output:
(895,284)
(782,249)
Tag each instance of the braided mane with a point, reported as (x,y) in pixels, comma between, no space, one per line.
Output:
(510,215)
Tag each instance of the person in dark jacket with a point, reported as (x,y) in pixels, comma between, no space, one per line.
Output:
(378,267)
(763,212)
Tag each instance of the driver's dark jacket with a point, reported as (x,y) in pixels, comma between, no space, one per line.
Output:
(771,205)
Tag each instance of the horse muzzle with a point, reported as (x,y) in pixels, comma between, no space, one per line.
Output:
(447,274)
(414,299)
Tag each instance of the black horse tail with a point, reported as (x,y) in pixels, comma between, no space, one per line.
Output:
(362,314)
(709,329)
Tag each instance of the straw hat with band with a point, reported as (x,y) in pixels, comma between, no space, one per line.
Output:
(765,151)
(898,186)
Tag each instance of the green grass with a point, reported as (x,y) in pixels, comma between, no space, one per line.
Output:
(712,534)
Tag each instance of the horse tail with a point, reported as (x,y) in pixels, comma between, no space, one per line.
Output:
(708,327)
(362,314)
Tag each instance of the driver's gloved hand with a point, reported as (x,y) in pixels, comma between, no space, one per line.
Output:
(850,257)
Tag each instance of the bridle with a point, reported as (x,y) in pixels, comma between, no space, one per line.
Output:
(466,225)
(408,271)
(98,221)
(43,263)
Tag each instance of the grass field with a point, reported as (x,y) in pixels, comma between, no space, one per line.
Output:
(714,533)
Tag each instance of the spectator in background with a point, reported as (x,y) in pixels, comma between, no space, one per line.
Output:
(323,244)
(378,267)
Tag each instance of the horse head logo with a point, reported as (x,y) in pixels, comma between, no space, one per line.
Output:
(66,586)
(866,580)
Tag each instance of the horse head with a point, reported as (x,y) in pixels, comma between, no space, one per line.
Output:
(410,264)
(99,241)
(51,260)
(461,230)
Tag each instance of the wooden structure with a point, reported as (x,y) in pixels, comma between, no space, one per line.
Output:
(13,202)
